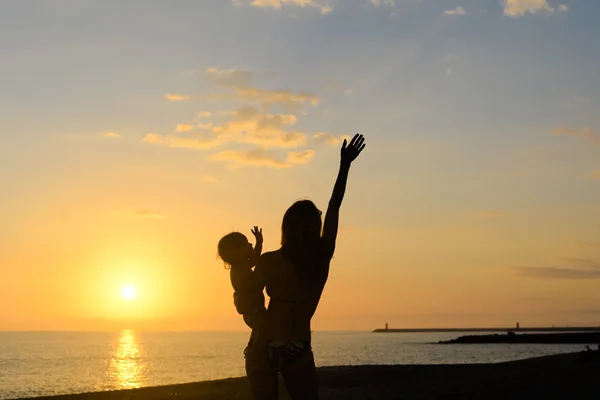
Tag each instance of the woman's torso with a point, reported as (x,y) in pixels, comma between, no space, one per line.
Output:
(293,301)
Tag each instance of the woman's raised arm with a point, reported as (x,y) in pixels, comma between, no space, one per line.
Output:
(348,154)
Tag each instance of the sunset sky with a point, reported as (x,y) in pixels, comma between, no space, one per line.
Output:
(135,134)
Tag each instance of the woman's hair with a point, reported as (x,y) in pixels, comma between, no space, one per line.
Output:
(300,237)
(230,246)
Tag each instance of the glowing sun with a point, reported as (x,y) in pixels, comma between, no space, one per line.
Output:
(128,292)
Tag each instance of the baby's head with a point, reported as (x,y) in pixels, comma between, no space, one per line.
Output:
(234,248)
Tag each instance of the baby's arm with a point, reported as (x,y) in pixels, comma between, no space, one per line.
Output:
(258,246)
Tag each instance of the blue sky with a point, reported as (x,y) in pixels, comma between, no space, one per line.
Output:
(181,120)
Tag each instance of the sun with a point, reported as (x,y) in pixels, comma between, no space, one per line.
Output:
(128,292)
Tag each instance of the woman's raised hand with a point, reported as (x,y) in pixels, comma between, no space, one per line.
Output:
(352,150)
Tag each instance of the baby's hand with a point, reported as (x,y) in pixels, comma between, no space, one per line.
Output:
(257,234)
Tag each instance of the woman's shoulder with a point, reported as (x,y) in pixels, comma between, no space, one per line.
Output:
(270,257)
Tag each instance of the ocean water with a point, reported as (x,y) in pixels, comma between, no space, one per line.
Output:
(51,363)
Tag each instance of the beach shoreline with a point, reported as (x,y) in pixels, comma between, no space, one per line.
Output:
(571,375)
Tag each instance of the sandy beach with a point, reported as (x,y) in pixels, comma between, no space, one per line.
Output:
(567,376)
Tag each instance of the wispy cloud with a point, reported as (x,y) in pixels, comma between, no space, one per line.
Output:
(241,83)
(230,77)
(573,268)
(281,97)
(177,97)
(184,127)
(261,158)
(518,8)
(278,4)
(327,138)
(209,179)
(148,214)
(250,125)
(390,3)
(111,135)
(460,10)
(326,10)
(204,114)
(247,125)
(585,133)
(197,142)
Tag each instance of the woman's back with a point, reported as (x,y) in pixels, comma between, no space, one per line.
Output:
(293,299)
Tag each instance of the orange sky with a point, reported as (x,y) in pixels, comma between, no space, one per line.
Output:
(134,138)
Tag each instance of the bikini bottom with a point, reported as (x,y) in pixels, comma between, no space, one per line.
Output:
(280,354)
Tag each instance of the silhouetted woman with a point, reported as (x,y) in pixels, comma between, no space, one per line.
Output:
(295,276)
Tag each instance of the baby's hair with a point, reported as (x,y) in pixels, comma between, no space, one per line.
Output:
(229,244)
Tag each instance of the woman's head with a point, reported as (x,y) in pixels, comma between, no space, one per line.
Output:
(234,247)
(301,224)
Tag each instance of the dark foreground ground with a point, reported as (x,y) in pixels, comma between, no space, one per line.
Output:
(568,376)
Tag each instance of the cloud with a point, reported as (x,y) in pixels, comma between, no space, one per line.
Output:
(390,3)
(575,268)
(230,77)
(198,142)
(460,10)
(260,158)
(300,157)
(596,175)
(209,179)
(278,4)
(184,127)
(585,133)
(277,97)
(518,8)
(153,138)
(247,125)
(111,135)
(327,138)
(177,97)
(253,124)
(241,81)
(148,214)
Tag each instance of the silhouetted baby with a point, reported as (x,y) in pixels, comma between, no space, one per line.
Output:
(239,255)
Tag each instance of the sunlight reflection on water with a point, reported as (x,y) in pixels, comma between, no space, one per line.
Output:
(126,369)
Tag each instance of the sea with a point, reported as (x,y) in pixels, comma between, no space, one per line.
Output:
(52,363)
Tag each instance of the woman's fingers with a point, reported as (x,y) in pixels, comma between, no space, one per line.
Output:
(359,142)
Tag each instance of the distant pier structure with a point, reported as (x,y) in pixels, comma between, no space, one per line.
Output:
(386,326)
(518,326)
